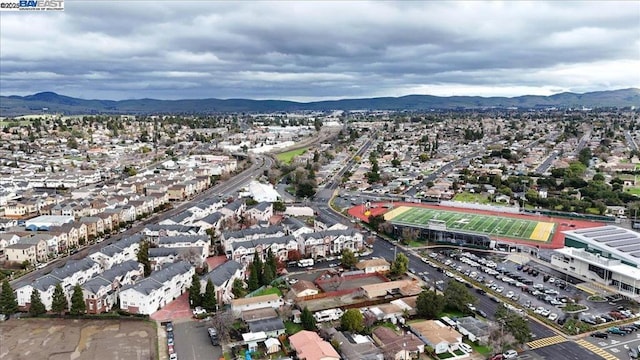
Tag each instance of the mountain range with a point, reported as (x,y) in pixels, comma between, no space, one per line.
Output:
(51,102)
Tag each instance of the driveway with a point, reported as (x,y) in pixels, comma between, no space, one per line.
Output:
(175,310)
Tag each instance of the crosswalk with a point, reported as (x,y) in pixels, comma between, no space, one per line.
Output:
(548,341)
(596,350)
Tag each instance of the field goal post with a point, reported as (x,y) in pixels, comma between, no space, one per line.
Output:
(439,225)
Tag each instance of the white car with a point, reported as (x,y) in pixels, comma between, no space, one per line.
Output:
(500,289)
(545,312)
(510,294)
(553,316)
(538,310)
(552,280)
(173,356)
(510,354)
(199,311)
(466,348)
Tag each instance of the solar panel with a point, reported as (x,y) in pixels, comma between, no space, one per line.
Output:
(616,237)
(616,244)
(605,233)
(592,230)
(630,248)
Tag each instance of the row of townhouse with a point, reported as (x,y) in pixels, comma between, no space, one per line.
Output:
(154,292)
(242,245)
(81,271)
(101,291)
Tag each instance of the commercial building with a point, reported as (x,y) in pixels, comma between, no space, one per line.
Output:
(607,256)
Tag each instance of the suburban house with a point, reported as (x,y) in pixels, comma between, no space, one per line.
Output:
(264,320)
(373,266)
(211,221)
(182,241)
(439,336)
(355,346)
(222,278)
(95,226)
(309,346)
(244,250)
(44,284)
(161,287)
(474,329)
(101,291)
(153,231)
(233,209)
(261,212)
(29,248)
(396,346)
(304,288)
(329,242)
(238,306)
(118,252)
(393,288)
(161,256)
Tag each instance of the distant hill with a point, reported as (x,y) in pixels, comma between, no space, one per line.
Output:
(54,103)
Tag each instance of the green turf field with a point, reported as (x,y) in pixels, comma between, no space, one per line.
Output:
(502,226)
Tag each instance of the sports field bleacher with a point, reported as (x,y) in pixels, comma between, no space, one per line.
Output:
(501,226)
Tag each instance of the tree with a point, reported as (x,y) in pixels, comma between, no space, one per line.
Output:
(37,307)
(352,321)
(78,306)
(307,319)
(375,221)
(195,291)
(514,324)
(258,267)
(8,302)
(143,257)
(59,303)
(348,259)
(399,265)
(429,304)
(269,269)
(223,323)
(237,289)
(254,279)
(279,206)
(209,300)
(457,296)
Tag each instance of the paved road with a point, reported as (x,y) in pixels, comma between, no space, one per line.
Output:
(632,143)
(192,342)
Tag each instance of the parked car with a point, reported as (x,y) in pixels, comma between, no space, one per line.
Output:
(169,326)
(173,356)
(199,311)
(481,313)
(553,316)
(510,354)
(600,335)
(615,330)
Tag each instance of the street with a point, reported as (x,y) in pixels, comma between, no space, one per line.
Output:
(192,342)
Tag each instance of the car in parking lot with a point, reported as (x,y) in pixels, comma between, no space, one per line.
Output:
(615,330)
(499,289)
(510,354)
(600,335)
(553,316)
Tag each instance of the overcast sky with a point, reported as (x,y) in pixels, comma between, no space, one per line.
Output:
(301,50)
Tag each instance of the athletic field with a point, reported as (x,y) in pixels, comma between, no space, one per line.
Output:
(501,226)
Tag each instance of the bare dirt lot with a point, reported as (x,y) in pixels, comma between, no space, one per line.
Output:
(58,339)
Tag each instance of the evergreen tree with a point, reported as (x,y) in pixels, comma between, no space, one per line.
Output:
(270,267)
(352,321)
(238,288)
(8,302)
(195,291)
(78,306)
(307,319)
(258,267)
(254,281)
(37,307)
(59,302)
(143,257)
(209,300)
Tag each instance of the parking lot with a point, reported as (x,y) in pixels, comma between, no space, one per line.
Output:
(192,341)
(58,339)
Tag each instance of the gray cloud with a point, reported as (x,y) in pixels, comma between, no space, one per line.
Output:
(314,50)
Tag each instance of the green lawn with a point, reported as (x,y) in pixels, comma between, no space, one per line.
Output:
(633,190)
(484,350)
(471,198)
(477,223)
(286,157)
(268,291)
(292,327)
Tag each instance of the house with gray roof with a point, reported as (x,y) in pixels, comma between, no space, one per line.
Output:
(211,221)
(222,278)
(153,231)
(244,250)
(184,241)
(101,292)
(161,256)
(261,212)
(272,327)
(161,287)
(45,285)
(329,242)
(122,250)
